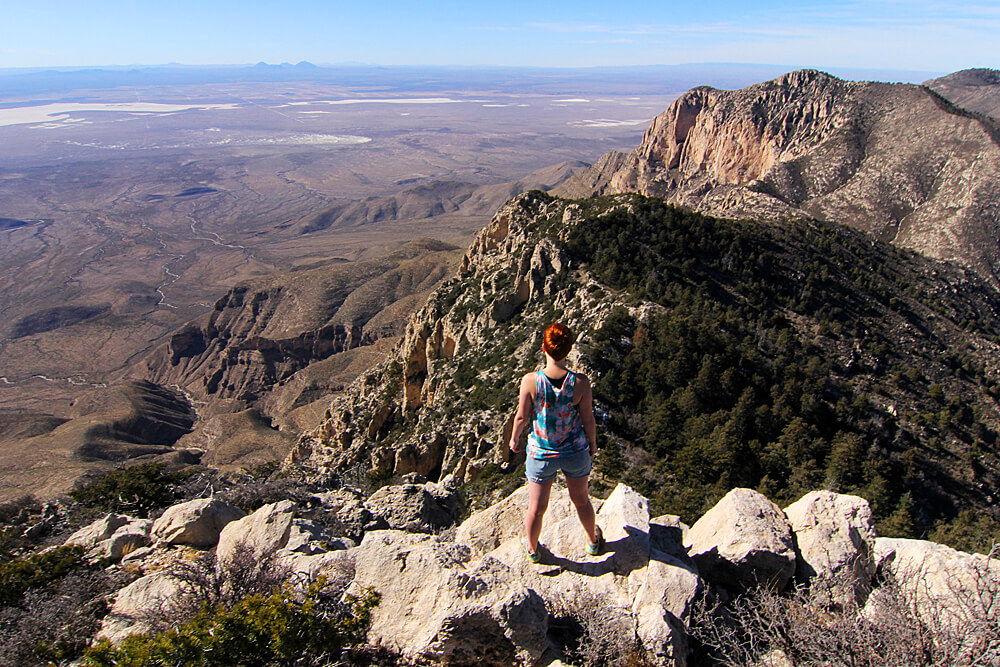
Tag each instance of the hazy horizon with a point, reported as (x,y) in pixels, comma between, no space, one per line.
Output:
(922,35)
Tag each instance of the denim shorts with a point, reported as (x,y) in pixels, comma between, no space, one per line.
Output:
(574,466)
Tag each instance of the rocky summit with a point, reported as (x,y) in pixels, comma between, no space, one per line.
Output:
(470,597)
(901,162)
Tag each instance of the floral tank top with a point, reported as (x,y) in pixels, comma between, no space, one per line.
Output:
(556,429)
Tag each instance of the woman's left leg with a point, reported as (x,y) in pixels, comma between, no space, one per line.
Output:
(538,502)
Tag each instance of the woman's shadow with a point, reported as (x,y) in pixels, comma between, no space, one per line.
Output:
(620,557)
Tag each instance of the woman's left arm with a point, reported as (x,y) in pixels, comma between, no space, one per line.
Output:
(525,403)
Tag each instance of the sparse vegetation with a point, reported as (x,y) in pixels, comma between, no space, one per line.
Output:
(894,630)
(284,628)
(246,610)
(51,604)
(19,575)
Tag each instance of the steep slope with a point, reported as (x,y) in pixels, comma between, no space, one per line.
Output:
(897,161)
(776,356)
(977,90)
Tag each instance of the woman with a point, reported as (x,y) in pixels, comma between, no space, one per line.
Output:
(559,404)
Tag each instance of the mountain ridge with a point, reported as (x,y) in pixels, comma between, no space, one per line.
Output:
(809,145)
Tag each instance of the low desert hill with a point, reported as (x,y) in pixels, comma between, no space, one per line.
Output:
(44,456)
(239,382)
(430,200)
(897,161)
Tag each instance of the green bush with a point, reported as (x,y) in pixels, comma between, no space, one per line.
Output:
(258,631)
(136,489)
(22,574)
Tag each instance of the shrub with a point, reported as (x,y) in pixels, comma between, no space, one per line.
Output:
(261,630)
(136,489)
(22,574)
(593,633)
(803,628)
(56,623)
(204,582)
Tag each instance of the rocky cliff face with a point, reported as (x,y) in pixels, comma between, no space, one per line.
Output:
(437,387)
(897,161)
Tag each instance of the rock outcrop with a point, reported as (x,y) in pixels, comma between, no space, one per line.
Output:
(744,541)
(944,586)
(515,274)
(435,605)
(254,348)
(836,542)
(134,604)
(474,598)
(112,537)
(196,523)
(268,529)
(420,508)
(897,161)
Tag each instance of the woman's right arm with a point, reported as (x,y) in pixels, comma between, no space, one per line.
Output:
(525,403)
(586,407)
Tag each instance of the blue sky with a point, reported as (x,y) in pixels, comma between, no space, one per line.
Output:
(888,34)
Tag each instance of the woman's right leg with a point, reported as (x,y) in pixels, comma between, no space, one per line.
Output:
(538,502)
(579,493)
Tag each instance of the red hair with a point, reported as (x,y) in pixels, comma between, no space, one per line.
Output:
(557,341)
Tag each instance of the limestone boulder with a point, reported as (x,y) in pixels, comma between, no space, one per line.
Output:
(125,540)
(667,534)
(196,523)
(336,566)
(310,538)
(662,635)
(112,536)
(946,587)
(99,530)
(743,542)
(836,539)
(418,508)
(134,604)
(265,530)
(670,584)
(642,592)
(433,607)
(624,518)
(349,513)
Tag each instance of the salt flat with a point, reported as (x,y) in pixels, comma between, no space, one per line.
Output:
(48,113)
